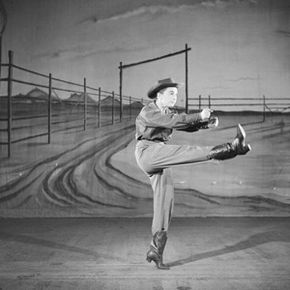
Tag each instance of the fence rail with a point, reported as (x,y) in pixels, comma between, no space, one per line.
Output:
(261,104)
(85,106)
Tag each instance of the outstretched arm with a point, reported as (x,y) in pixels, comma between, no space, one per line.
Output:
(155,118)
(207,121)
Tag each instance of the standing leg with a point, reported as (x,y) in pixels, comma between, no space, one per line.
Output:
(163,201)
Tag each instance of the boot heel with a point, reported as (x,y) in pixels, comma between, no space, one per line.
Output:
(245,149)
(155,252)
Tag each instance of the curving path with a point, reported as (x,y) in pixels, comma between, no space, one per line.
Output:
(83,181)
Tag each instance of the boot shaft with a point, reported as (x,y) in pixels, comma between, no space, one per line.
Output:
(159,241)
(222,152)
(230,150)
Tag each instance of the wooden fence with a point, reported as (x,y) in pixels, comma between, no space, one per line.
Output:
(262,104)
(85,107)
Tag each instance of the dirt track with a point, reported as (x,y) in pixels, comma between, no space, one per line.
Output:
(96,175)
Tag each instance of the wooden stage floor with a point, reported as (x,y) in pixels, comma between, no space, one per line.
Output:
(109,253)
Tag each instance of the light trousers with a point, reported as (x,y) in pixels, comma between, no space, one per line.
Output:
(156,160)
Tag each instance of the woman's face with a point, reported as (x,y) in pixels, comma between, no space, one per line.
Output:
(168,97)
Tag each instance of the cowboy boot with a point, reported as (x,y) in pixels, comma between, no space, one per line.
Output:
(230,150)
(155,252)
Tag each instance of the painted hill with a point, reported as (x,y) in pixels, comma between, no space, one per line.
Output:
(37,95)
(79,98)
(107,102)
(137,105)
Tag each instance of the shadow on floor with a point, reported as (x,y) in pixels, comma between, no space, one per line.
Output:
(252,241)
(5,236)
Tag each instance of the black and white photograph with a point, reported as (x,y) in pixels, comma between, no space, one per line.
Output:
(145,145)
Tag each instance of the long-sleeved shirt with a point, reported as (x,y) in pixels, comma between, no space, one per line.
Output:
(155,125)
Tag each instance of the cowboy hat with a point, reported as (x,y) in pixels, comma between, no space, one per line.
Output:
(161,84)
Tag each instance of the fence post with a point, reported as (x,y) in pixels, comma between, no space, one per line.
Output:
(85,104)
(186,78)
(49,110)
(9,103)
(121,108)
(199,102)
(113,111)
(130,108)
(120,90)
(264,108)
(209,102)
(99,109)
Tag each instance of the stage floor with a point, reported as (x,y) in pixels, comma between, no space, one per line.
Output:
(109,253)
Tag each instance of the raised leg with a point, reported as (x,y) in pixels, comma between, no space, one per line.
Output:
(230,150)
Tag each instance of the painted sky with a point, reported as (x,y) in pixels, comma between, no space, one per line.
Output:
(239,48)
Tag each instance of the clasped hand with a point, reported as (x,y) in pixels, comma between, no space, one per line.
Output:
(205,113)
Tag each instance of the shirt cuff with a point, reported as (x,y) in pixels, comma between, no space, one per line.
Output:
(194,118)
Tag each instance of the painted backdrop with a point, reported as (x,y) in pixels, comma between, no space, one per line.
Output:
(239,49)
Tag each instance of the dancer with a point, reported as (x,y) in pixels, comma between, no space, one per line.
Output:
(154,127)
